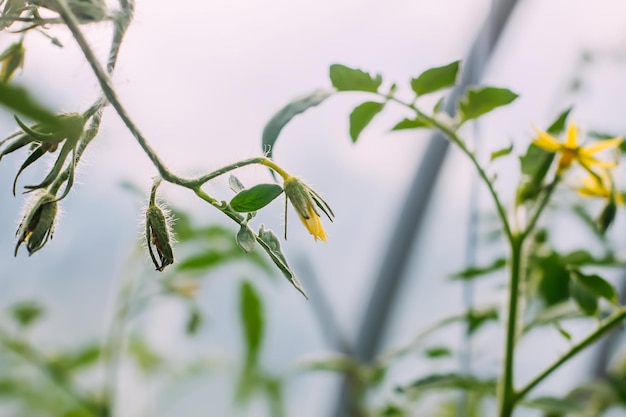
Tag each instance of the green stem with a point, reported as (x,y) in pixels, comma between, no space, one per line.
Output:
(454,138)
(606,325)
(540,207)
(506,390)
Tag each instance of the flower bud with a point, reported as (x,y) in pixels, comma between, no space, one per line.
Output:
(306,202)
(37,225)
(158,237)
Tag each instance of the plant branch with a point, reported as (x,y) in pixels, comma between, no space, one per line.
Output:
(606,325)
(454,138)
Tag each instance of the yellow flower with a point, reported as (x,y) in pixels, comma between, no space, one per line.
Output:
(571,151)
(599,185)
(306,202)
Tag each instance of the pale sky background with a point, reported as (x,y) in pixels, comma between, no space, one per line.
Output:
(201,80)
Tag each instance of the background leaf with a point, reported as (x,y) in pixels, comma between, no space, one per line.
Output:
(361,116)
(416,123)
(255,198)
(434,79)
(283,116)
(348,79)
(19,100)
(481,101)
(252,320)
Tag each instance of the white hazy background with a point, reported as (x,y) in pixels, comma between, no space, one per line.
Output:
(202,78)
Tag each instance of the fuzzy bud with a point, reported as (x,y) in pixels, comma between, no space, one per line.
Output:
(37,226)
(158,237)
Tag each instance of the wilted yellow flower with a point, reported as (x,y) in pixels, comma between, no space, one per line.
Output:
(306,203)
(571,151)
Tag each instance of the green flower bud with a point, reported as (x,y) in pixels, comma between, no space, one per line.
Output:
(37,226)
(158,237)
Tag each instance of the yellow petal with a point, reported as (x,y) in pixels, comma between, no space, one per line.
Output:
(593,162)
(600,146)
(571,140)
(547,142)
(314,225)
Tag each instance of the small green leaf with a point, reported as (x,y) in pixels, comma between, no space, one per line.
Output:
(438,352)
(607,216)
(586,300)
(271,244)
(416,123)
(283,116)
(255,198)
(501,152)
(194,320)
(435,79)
(348,79)
(204,261)
(598,286)
(477,318)
(451,381)
(235,184)
(483,100)
(27,313)
(336,363)
(246,238)
(361,116)
(252,320)
(475,272)
(554,405)
(563,332)
(558,126)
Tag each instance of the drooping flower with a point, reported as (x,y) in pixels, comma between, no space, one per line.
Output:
(571,151)
(306,202)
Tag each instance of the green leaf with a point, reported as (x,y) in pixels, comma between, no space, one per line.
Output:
(336,363)
(361,116)
(553,278)
(554,314)
(438,352)
(586,300)
(246,238)
(268,240)
(555,405)
(502,152)
(27,313)
(451,381)
(19,100)
(208,259)
(235,184)
(348,79)
(434,79)
(598,286)
(194,320)
(255,198)
(144,355)
(558,126)
(283,116)
(416,123)
(475,272)
(481,101)
(563,332)
(252,320)
(477,318)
